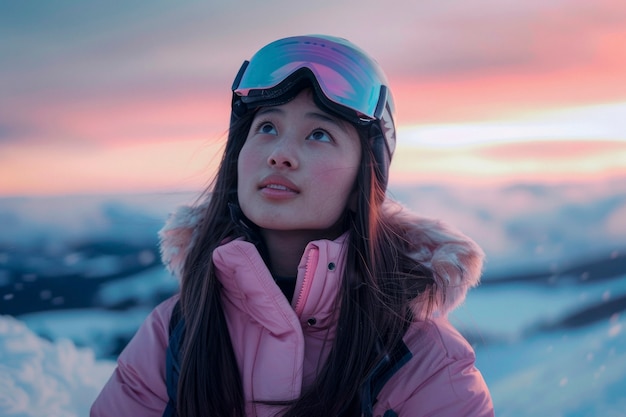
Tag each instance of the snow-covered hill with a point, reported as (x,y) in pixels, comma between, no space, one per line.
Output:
(79,274)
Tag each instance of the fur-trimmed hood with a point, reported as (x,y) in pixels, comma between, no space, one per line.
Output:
(455,259)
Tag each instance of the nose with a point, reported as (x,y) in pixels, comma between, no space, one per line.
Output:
(283,155)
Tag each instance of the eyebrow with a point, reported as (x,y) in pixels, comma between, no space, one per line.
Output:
(318,115)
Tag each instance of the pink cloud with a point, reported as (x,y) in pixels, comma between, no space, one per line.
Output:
(140,81)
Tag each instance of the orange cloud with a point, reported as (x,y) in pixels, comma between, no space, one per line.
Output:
(178,165)
(509,162)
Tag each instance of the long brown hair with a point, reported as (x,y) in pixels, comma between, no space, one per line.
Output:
(380,282)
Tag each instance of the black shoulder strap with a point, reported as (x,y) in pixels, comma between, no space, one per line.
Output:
(172,358)
(380,375)
(177,314)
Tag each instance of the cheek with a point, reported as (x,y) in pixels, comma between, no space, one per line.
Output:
(244,177)
(245,163)
(335,178)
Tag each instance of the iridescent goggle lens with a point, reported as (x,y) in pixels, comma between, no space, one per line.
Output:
(346,76)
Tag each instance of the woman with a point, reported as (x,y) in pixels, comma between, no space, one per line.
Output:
(305,291)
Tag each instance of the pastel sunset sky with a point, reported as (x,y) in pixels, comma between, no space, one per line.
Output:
(134,96)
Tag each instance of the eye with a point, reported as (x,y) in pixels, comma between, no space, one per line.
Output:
(266,128)
(320,136)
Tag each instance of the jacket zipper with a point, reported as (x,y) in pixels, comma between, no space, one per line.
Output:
(312,259)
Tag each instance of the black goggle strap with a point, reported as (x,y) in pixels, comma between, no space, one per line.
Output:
(381,152)
(238,107)
(239,76)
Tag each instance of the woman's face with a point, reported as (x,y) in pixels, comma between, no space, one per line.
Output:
(298,167)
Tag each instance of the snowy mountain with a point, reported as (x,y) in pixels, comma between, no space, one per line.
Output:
(79,274)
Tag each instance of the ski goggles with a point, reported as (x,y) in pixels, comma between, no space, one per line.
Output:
(346,79)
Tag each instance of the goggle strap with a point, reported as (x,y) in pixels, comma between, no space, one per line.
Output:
(381,152)
(382,100)
(239,76)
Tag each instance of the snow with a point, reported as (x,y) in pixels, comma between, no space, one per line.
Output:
(79,274)
(41,378)
(578,373)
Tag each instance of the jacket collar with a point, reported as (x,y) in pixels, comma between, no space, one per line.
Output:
(455,259)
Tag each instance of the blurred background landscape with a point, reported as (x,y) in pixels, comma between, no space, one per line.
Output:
(511,126)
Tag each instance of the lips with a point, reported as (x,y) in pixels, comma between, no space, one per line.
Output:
(278,183)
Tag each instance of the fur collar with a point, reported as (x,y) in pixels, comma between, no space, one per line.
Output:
(454,258)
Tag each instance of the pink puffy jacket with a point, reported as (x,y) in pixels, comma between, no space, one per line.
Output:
(279,346)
